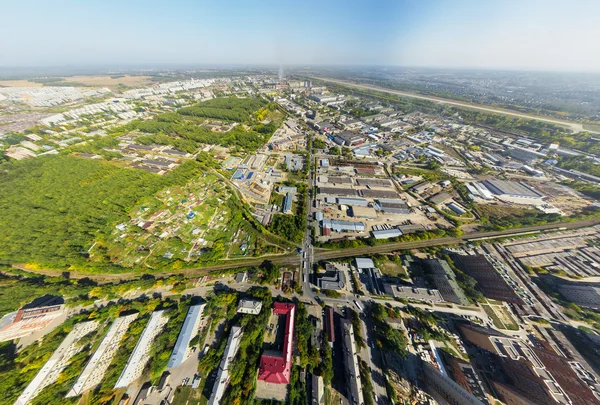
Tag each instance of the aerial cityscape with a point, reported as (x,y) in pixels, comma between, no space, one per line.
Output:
(354,203)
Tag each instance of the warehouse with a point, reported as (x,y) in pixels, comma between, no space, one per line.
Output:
(440,198)
(387,233)
(352,201)
(456,208)
(363,212)
(393,206)
(512,191)
(373,182)
(338,191)
(343,226)
(337,180)
(379,194)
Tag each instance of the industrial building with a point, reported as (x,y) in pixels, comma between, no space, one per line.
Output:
(59,360)
(393,206)
(355,392)
(445,390)
(456,208)
(364,263)
(276,367)
(445,281)
(343,226)
(361,202)
(362,212)
(190,327)
(141,353)
(582,294)
(387,233)
(528,374)
(95,369)
(489,281)
(222,380)
(512,191)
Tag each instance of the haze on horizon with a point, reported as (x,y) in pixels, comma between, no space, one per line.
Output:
(552,35)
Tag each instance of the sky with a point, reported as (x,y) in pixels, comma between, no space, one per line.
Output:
(548,35)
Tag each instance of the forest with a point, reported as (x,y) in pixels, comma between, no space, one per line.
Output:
(55,206)
(183,129)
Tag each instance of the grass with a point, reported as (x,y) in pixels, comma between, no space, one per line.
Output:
(592,127)
(491,312)
(186,396)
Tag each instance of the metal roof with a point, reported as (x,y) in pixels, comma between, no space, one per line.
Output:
(364,263)
(188,330)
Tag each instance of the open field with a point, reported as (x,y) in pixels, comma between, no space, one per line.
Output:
(88,81)
(19,83)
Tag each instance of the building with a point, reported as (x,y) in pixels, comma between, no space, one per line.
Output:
(275,367)
(95,369)
(512,191)
(364,263)
(387,233)
(445,390)
(251,307)
(457,209)
(421,188)
(59,360)
(332,280)
(30,318)
(363,212)
(222,380)
(190,327)
(530,375)
(287,189)
(412,293)
(582,294)
(445,281)
(141,353)
(241,277)
(318,390)
(489,281)
(347,138)
(354,388)
(342,226)
(361,202)
(393,207)
(287,204)
(464,374)
(440,198)
(329,322)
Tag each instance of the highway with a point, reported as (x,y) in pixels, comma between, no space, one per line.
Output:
(574,126)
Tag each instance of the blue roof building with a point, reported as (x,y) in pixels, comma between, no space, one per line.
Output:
(187,333)
(287,203)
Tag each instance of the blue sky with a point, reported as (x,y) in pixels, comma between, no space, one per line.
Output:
(512,34)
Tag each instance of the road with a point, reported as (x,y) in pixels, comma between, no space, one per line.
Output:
(574,126)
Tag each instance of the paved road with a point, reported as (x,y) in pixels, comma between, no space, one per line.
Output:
(574,126)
